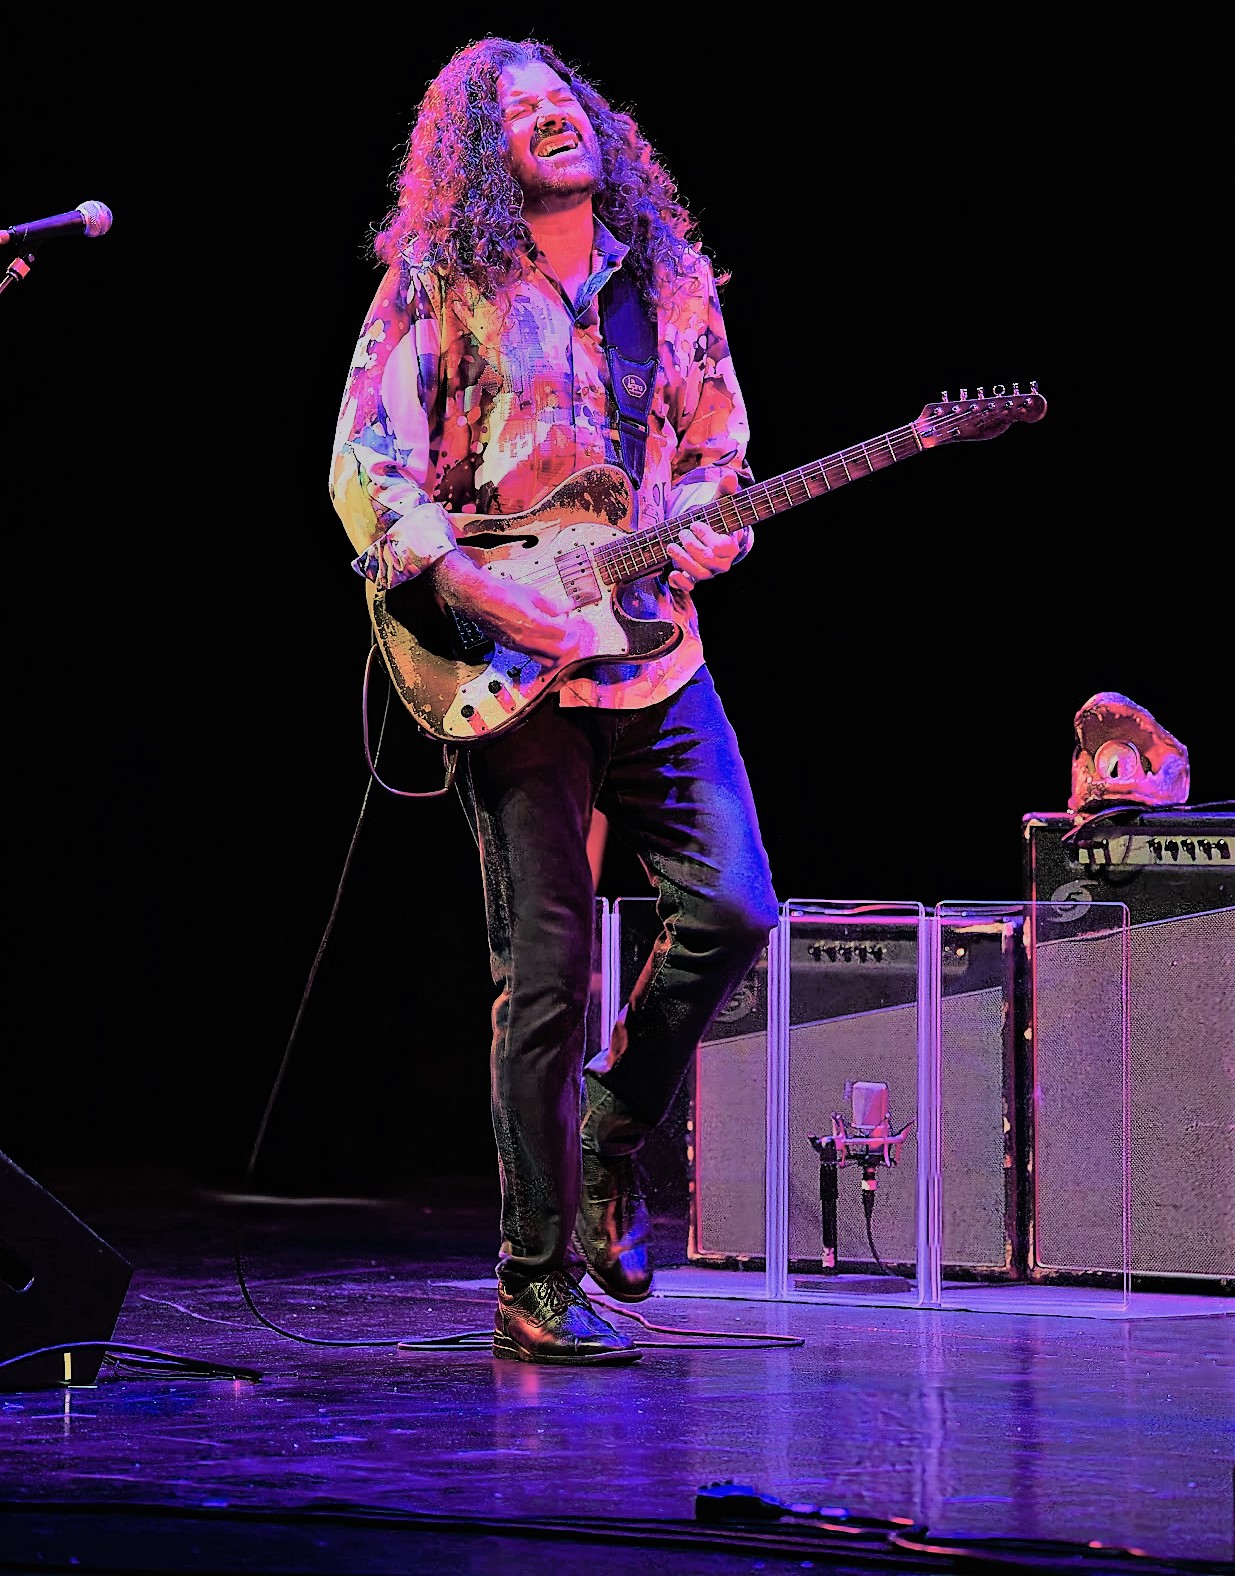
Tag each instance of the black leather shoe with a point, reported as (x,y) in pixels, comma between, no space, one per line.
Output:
(551,1321)
(612,1227)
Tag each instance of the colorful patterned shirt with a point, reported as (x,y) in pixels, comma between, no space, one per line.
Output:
(459,404)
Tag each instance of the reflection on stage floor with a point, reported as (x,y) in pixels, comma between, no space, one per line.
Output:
(301,1384)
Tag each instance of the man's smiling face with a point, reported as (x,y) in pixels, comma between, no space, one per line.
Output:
(551,147)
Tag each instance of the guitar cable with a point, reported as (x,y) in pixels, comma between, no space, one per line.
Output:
(449,752)
(371,757)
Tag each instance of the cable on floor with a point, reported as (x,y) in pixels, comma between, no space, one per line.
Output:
(146,1358)
(712,1339)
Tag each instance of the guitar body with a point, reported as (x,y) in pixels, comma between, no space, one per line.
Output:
(461,686)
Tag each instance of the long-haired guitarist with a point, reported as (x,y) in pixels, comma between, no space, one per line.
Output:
(491,475)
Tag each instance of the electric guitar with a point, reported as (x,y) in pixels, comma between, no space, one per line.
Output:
(461,686)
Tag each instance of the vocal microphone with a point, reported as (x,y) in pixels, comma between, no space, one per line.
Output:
(94,218)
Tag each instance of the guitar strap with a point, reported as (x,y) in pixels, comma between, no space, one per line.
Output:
(628,333)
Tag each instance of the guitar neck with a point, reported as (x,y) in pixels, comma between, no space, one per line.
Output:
(644,552)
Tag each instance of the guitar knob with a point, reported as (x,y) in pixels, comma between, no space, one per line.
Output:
(467,711)
(495,686)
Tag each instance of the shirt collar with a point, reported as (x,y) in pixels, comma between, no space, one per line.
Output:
(607,247)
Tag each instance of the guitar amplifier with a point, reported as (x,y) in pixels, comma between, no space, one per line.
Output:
(1174,869)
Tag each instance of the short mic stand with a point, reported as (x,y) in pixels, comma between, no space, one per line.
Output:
(829,1164)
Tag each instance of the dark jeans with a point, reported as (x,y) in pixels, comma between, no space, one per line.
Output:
(671,781)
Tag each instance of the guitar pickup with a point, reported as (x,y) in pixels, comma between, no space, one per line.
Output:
(578,577)
(471,641)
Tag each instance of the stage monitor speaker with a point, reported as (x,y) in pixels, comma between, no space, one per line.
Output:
(60,1284)
(1175,872)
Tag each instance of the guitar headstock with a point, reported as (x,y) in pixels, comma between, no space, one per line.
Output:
(951,420)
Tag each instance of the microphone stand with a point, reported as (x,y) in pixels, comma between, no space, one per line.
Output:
(19,268)
(829,1164)
(869,1147)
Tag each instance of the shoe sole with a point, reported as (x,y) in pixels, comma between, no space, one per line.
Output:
(504,1347)
(618,1296)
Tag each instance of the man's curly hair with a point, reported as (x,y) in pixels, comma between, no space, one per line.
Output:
(459,209)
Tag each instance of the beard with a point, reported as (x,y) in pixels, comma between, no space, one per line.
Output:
(575,173)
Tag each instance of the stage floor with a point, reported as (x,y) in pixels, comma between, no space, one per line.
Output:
(352,1419)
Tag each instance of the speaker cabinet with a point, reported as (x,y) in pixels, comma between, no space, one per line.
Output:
(59,1284)
(1175,871)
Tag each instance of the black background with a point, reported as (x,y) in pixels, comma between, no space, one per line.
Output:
(207,896)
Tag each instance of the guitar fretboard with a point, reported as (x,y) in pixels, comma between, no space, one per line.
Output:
(643,552)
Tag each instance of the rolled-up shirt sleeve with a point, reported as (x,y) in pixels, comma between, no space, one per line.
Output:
(381,460)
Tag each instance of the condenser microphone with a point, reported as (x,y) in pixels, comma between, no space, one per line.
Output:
(871,1142)
(88,218)
(870,1109)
